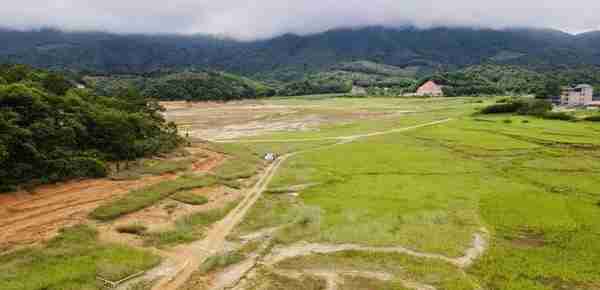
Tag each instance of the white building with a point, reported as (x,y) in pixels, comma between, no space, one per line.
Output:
(581,95)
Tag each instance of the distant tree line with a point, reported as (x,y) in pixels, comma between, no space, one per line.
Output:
(492,79)
(315,86)
(190,86)
(214,86)
(52,131)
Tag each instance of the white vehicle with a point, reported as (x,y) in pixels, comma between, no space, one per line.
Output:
(270,156)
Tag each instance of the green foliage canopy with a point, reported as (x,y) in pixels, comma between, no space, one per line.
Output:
(48,136)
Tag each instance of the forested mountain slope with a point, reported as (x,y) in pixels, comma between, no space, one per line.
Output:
(288,56)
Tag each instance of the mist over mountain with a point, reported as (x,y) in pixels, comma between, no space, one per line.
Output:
(428,49)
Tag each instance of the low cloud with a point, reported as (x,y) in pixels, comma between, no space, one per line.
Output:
(267,18)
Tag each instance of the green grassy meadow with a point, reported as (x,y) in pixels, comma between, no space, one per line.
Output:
(71,261)
(532,183)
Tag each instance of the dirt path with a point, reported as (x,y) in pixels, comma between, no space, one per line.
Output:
(235,276)
(279,254)
(335,278)
(340,138)
(198,252)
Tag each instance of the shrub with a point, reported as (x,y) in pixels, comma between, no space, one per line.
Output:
(507,121)
(502,108)
(595,118)
(220,261)
(134,229)
(558,116)
(189,197)
(535,107)
(520,106)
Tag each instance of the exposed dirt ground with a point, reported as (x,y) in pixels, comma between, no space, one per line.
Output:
(217,121)
(29,217)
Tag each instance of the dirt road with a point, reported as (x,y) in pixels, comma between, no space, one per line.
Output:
(198,252)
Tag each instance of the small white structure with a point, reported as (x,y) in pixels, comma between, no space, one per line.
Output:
(270,156)
(580,95)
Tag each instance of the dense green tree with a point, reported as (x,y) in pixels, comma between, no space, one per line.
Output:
(551,88)
(56,83)
(48,136)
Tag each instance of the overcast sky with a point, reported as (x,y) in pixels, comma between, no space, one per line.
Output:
(251,19)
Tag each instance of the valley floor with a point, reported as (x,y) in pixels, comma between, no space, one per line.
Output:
(372,193)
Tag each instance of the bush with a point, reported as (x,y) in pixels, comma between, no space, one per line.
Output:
(220,261)
(595,118)
(558,116)
(523,107)
(76,167)
(134,229)
(535,107)
(189,197)
(502,108)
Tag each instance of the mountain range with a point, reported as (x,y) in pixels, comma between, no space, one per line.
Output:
(289,55)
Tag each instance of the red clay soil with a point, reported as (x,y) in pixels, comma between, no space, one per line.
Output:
(208,164)
(31,217)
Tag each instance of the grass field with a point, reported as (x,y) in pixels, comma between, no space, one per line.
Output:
(532,183)
(71,261)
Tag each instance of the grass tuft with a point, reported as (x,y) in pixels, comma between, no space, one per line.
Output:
(189,197)
(147,196)
(220,261)
(134,229)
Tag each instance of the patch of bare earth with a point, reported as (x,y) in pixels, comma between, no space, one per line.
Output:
(219,121)
(210,161)
(162,216)
(30,217)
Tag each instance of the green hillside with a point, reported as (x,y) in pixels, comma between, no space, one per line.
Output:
(291,56)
